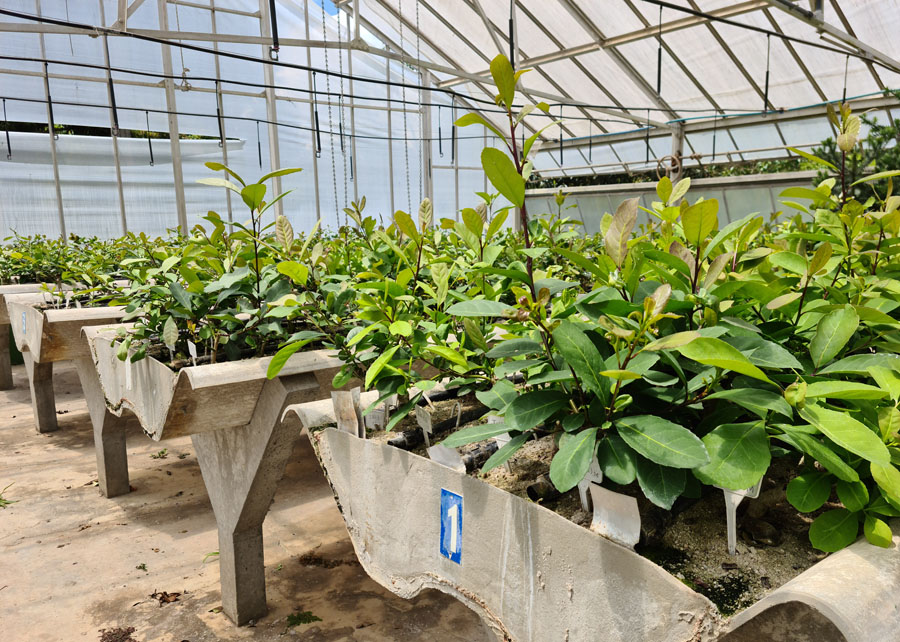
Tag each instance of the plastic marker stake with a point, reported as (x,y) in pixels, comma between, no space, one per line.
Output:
(192,350)
(733,499)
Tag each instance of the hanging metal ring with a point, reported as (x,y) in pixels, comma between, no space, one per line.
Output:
(673,167)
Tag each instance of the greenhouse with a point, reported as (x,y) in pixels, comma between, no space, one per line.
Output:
(452,320)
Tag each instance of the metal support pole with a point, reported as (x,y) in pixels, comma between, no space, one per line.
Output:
(312,114)
(113,127)
(171,107)
(354,167)
(425,115)
(390,142)
(265,30)
(59,201)
(220,105)
(678,150)
(455,154)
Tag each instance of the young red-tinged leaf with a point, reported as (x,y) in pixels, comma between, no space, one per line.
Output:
(619,232)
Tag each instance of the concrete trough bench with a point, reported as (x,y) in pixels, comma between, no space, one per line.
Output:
(47,336)
(235,418)
(6,380)
(534,576)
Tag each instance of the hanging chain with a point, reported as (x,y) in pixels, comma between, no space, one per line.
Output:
(403,102)
(337,210)
(185,85)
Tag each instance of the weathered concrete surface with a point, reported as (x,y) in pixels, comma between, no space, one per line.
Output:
(68,555)
(850,596)
(47,336)
(6,378)
(522,567)
(191,400)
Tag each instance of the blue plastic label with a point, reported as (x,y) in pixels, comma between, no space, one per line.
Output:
(451,525)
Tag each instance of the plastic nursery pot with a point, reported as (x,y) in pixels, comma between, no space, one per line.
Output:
(534,575)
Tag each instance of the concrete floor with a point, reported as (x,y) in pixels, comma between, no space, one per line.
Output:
(69,557)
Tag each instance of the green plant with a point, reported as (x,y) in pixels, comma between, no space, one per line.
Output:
(6,502)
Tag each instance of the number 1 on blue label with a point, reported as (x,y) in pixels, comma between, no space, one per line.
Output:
(451,526)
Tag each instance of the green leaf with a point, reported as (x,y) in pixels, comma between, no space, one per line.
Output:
(284,232)
(220,182)
(472,221)
(833,530)
(473,434)
(757,401)
(888,479)
(170,333)
(533,408)
(253,195)
(616,460)
(478,119)
(280,172)
(853,495)
(832,334)
(672,341)
(847,432)
(662,441)
(503,175)
(877,177)
(843,390)
(573,459)
(406,225)
(859,364)
(790,261)
(738,456)
(180,295)
(296,272)
(583,262)
(699,220)
(661,485)
(449,354)
(281,357)
(619,233)
(514,348)
(504,79)
(887,379)
(359,336)
(681,188)
(878,532)
(582,356)
(216,167)
(664,189)
(814,159)
(715,352)
(820,452)
(502,456)
(402,412)
(379,364)
(500,396)
(478,308)
(809,492)
(403,328)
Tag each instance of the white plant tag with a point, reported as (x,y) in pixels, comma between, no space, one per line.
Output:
(128,372)
(192,350)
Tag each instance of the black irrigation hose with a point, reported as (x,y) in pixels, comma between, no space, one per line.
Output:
(244,118)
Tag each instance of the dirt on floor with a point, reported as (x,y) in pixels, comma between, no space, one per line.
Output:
(77,566)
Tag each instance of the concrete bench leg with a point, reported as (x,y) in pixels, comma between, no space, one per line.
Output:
(109,434)
(6,379)
(43,401)
(241,468)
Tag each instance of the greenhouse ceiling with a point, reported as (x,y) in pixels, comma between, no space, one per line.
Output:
(629,85)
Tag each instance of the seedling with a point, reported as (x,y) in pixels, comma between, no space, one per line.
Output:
(6,502)
(162,454)
(301,617)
